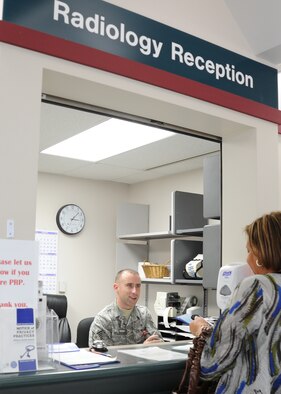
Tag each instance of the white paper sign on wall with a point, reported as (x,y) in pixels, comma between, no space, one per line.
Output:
(18,273)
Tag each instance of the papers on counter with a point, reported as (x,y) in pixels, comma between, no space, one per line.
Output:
(83,359)
(183,348)
(183,328)
(63,347)
(155,353)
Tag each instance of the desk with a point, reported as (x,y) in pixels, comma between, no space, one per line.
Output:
(132,375)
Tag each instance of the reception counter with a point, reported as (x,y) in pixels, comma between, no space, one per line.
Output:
(132,374)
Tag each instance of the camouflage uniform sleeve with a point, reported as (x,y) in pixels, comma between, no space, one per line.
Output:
(101,329)
(150,326)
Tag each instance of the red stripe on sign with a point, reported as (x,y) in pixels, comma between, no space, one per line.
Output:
(58,47)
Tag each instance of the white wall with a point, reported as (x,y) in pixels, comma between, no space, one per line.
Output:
(20,95)
(86,262)
(250,158)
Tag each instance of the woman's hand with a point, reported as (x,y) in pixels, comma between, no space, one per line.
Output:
(197,324)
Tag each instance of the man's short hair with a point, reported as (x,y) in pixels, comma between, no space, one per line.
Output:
(120,273)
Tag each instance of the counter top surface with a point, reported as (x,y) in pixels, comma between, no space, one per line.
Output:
(128,365)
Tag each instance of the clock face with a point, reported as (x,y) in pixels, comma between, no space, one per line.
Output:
(70,219)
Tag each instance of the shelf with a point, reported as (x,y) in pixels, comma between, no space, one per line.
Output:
(155,280)
(193,282)
(147,236)
(189,232)
(196,232)
(182,240)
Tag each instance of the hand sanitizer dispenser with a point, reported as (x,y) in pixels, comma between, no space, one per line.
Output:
(229,277)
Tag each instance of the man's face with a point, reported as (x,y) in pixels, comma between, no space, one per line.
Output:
(127,290)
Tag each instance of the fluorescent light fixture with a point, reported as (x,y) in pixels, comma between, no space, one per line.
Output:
(107,139)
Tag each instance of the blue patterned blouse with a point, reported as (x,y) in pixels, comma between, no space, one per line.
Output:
(244,350)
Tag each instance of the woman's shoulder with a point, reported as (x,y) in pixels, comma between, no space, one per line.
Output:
(262,280)
(272,277)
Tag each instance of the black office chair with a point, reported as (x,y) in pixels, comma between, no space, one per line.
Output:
(82,338)
(58,302)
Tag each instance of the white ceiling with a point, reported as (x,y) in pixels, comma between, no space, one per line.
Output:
(259,22)
(173,155)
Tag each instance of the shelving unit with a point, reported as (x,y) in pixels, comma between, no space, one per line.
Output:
(189,234)
(185,235)
(194,229)
(212,211)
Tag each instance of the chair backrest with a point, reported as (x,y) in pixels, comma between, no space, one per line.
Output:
(58,302)
(82,339)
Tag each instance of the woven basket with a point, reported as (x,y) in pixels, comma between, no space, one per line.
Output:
(155,270)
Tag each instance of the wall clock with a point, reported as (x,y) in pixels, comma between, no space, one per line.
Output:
(70,219)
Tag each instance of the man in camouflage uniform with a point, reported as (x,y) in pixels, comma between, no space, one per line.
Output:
(123,322)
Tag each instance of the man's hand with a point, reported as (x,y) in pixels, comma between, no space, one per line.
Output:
(153,338)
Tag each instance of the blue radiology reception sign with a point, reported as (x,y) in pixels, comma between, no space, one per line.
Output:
(100,25)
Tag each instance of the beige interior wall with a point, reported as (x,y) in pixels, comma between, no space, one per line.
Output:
(20,95)
(86,262)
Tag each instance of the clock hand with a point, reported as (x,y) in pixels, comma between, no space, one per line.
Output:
(74,217)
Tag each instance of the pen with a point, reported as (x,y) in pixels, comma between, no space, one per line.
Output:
(106,355)
(155,333)
(102,354)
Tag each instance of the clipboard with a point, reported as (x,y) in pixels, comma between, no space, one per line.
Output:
(83,366)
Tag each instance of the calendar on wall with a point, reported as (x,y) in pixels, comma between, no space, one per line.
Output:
(48,257)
